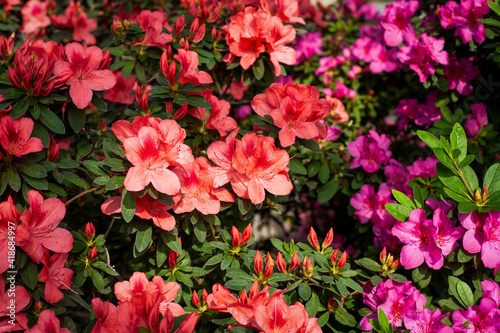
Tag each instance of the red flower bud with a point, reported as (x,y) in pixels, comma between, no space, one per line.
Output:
(258,262)
(313,239)
(330,302)
(89,230)
(195,299)
(53,151)
(269,266)
(93,253)
(280,263)
(246,235)
(214,33)
(235,235)
(334,256)
(38,305)
(307,265)
(294,264)
(195,25)
(395,264)
(199,35)
(179,25)
(205,296)
(328,239)
(342,260)
(169,106)
(181,112)
(383,255)
(172,258)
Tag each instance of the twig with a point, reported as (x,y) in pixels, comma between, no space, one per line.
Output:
(152,78)
(109,228)
(82,194)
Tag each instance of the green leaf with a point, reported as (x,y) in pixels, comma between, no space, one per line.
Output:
(312,305)
(398,277)
(296,166)
(327,191)
(244,205)
(465,293)
(198,101)
(258,69)
(492,178)
(444,159)
(29,274)
(384,321)
(76,118)
(399,212)
(490,21)
(14,179)
(74,179)
(200,231)
(99,103)
(98,281)
(324,172)
(369,264)
(467,160)
(470,177)
(128,206)
(418,196)
(37,183)
(35,111)
(143,239)
(114,182)
(215,259)
(171,240)
(403,199)
(127,69)
(429,139)
(20,107)
(39,131)
(494,7)
(450,180)
(52,121)
(32,169)
(304,291)
(458,140)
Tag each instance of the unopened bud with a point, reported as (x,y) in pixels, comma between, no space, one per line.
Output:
(477,195)
(280,263)
(383,255)
(313,239)
(485,193)
(195,299)
(269,266)
(328,239)
(258,262)
(235,235)
(294,264)
(89,230)
(342,260)
(172,258)
(93,253)
(334,256)
(179,25)
(38,305)
(205,296)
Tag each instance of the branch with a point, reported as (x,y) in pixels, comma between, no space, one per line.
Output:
(82,194)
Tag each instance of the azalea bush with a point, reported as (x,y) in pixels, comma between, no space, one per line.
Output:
(249,166)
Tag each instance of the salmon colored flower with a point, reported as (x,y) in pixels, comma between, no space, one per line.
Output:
(48,322)
(15,136)
(288,11)
(189,64)
(295,108)
(122,90)
(35,17)
(252,165)
(86,69)
(146,208)
(39,231)
(152,23)
(9,219)
(153,152)
(75,18)
(251,33)
(198,190)
(55,276)
(20,297)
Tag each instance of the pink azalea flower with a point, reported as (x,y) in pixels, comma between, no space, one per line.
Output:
(122,90)
(397,176)
(464,18)
(152,23)
(422,54)
(35,17)
(219,116)
(75,18)
(86,69)
(423,168)
(428,321)
(370,152)
(396,20)
(406,110)
(491,290)
(483,235)
(198,190)
(39,231)
(460,74)
(21,299)
(476,120)
(370,206)
(189,64)
(383,60)
(484,317)
(308,46)
(48,322)
(325,64)
(9,218)
(15,136)
(55,276)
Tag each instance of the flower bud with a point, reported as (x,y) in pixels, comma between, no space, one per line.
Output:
(93,253)
(179,25)
(313,239)
(307,267)
(334,256)
(485,193)
(195,25)
(383,255)
(172,258)
(205,296)
(258,262)
(195,299)
(395,264)
(246,235)
(38,305)
(294,264)
(342,260)
(235,235)
(269,266)
(328,239)
(53,151)
(169,106)
(89,230)
(280,263)
(199,35)
(477,195)
(181,112)
(214,33)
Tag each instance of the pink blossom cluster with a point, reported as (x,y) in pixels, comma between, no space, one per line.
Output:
(370,151)
(308,46)
(464,18)
(421,114)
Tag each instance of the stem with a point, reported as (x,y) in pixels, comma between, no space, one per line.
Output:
(463,179)
(82,194)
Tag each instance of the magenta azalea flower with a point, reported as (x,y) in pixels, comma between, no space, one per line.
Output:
(460,74)
(477,119)
(484,317)
(427,321)
(370,152)
(396,20)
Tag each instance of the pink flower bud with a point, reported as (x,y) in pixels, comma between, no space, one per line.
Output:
(179,25)
(342,260)
(246,235)
(89,230)
(313,239)
(328,239)
(235,235)
(258,262)
(280,263)
(195,299)
(294,264)
(93,253)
